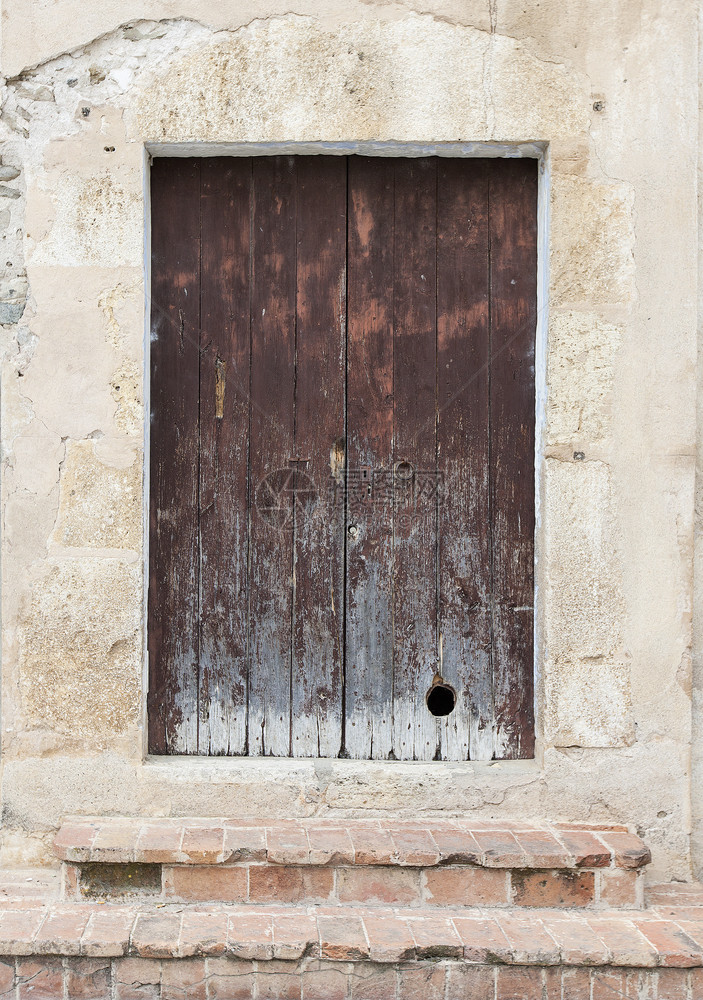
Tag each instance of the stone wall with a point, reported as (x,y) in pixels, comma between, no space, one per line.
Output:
(609,93)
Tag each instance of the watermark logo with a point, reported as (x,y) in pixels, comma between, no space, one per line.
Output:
(401,495)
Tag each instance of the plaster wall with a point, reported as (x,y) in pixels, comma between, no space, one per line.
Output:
(610,91)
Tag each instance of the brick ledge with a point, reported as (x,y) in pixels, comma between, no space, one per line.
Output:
(427,843)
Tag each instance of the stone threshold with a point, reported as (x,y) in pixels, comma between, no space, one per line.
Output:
(317,842)
(650,939)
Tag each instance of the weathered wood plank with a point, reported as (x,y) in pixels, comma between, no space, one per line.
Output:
(369,626)
(224,437)
(173,535)
(318,598)
(271,450)
(415,729)
(513,235)
(463,445)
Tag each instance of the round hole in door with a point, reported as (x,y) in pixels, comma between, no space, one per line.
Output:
(441,700)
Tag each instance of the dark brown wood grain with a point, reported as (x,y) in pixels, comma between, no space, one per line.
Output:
(369,585)
(342,456)
(462,447)
(224,438)
(173,500)
(272,447)
(415,730)
(513,262)
(318,581)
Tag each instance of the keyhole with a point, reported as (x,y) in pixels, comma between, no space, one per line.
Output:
(353,530)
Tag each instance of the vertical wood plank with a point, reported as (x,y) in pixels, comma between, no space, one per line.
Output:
(415,729)
(463,447)
(173,512)
(318,607)
(513,235)
(369,625)
(224,439)
(272,478)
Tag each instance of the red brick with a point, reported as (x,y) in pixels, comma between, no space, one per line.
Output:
(107,933)
(156,935)
(230,979)
(466,886)
(692,927)
(413,846)
(278,981)
(250,936)
(330,846)
(624,942)
(518,983)
(203,845)
(74,840)
(159,844)
(390,939)
(499,849)
(470,982)
(244,844)
(674,946)
(137,979)
(287,844)
(456,846)
(426,983)
(324,984)
(294,936)
(61,932)
(378,884)
(268,884)
(40,979)
(586,850)
(70,881)
(342,938)
(435,937)
(672,984)
(543,850)
(576,984)
(203,933)
(483,940)
(374,982)
(560,888)
(202,883)
(183,979)
(551,989)
(628,850)
(607,984)
(18,929)
(115,842)
(7,977)
(529,940)
(577,942)
(88,979)
(372,845)
(696,983)
(619,888)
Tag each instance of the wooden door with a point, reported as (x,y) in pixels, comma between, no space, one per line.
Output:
(342,457)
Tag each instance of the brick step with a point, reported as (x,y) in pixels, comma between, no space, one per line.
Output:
(441,863)
(633,939)
(51,949)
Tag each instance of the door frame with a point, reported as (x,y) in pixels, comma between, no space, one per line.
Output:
(535,150)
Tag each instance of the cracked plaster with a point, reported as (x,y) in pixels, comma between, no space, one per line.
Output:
(615,535)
